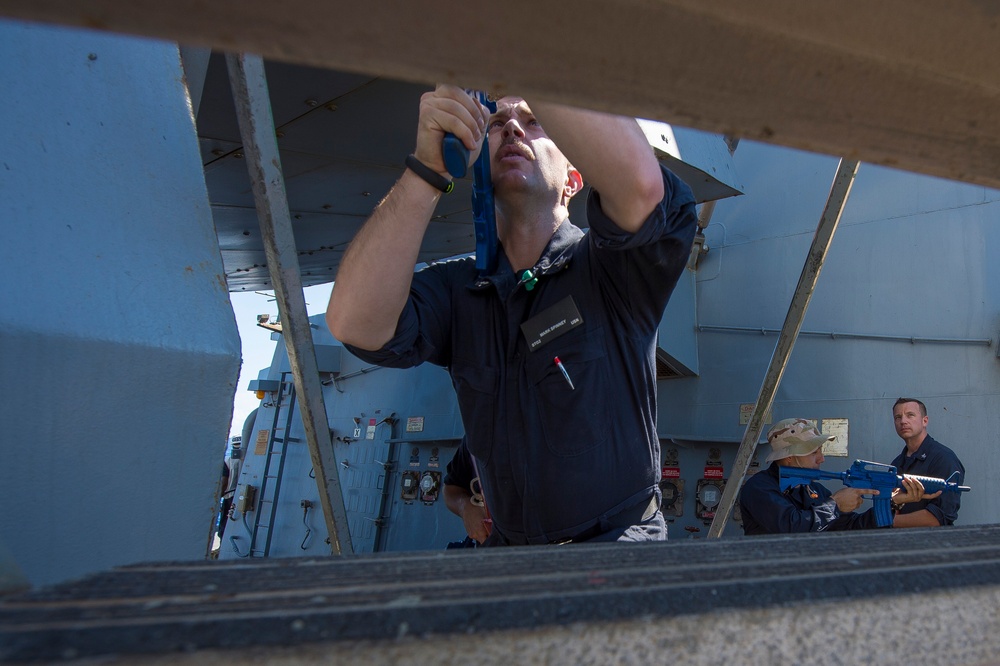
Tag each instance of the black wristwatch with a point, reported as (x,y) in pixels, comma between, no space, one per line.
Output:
(428,175)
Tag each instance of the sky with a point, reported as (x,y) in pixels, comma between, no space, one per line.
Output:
(258,348)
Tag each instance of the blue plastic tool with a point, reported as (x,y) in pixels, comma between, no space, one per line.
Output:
(456,160)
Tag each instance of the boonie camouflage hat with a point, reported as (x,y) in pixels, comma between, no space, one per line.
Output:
(794,437)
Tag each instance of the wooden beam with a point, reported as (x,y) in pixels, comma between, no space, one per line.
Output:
(686,601)
(913,84)
(253,107)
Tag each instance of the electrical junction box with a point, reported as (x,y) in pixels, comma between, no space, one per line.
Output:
(707,498)
(245,498)
(409,485)
(671,485)
(430,487)
(673,498)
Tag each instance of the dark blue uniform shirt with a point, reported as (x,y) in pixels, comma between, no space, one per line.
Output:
(460,470)
(806,508)
(933,459)
(556,462)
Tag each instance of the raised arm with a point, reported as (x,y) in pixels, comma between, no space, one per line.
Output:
(612,154)
(378,266)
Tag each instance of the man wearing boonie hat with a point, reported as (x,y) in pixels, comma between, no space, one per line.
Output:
(808,507)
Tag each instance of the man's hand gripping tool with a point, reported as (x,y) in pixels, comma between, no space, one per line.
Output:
(456,160)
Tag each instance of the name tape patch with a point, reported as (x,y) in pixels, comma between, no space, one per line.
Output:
(550,323)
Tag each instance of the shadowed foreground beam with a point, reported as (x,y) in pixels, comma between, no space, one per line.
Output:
(833,598)
(913,84)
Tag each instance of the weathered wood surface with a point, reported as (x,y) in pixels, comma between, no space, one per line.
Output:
(554,598)
(908,83)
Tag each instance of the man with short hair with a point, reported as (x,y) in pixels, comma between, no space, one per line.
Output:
(925,456)
(552,354)
(811,507)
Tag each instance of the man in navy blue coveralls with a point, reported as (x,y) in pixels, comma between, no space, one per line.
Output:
(925,456)
(567,450)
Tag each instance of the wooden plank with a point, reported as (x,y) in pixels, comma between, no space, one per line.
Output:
(253,107)
(712,597)
(913,84)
